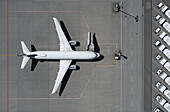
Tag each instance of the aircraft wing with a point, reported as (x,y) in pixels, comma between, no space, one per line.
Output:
(64,65)
(64,44)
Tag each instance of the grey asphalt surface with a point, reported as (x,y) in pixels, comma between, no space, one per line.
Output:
(147,55)
(133,47)
(102,86)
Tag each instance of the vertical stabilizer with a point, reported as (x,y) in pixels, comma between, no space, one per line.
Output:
(90,42)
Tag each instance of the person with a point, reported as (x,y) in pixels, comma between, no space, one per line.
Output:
(117,55)
(117,58)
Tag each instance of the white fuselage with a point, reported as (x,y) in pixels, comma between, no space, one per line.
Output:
(63,55)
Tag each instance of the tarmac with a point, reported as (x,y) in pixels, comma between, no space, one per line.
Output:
(106,85)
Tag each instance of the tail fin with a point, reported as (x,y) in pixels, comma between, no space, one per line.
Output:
(90,43)
(24,62)
(24,47)
(25,58)
(33,48)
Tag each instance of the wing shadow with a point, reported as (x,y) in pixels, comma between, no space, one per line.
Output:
(67,34)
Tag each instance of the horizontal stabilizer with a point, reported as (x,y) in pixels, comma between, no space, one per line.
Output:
(24,47)
(24,62)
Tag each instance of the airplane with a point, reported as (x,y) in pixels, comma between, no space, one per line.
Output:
(66,55)
(90,42)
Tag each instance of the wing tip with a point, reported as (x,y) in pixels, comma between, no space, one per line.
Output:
(52,93)
(54,18)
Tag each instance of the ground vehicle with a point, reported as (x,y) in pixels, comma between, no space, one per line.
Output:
(160,86)
(160,59)
(167,94)
(164,8)
(161,74)
(167,107)
(161,47)
(157,43)
(159,71)
(167,80)
(167,13)
(160,5)
(157,30)
(163,62)
(160,100)
(167,40)
(161,20)
(166,25)
(157,17)
(167,53)
(162,35)
(167,66)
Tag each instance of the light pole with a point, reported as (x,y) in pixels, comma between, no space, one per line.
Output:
(117,9)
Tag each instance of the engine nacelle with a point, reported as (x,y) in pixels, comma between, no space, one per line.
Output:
(73,43)
(73,67)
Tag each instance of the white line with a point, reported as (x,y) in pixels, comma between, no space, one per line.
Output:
(131,53)
(131,79)
(121,31)
(131,103)
(131,66)
(131,41)
(107,43)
